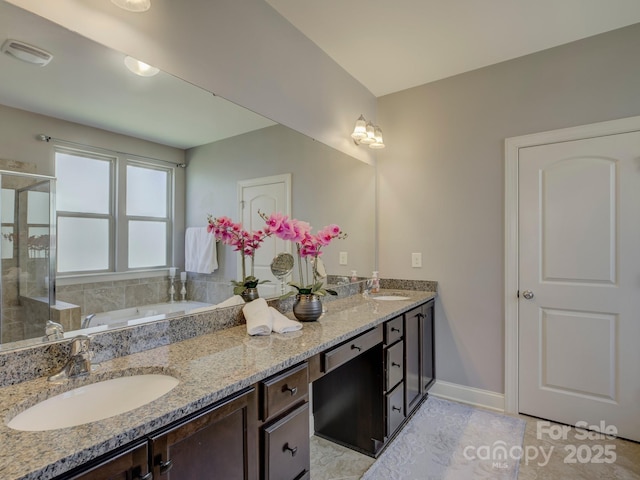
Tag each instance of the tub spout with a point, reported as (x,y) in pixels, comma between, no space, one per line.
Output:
(87,320)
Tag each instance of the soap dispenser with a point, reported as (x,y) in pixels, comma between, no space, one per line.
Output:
(354,276)
(375,283)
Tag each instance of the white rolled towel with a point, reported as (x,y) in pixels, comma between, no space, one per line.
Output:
(282,324)
(258,317)
(231,302)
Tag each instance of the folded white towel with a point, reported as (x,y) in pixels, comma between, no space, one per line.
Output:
(258,317)
(282,324)
(199,250)
(231,302)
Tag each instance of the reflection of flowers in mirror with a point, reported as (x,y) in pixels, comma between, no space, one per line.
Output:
(37,245)
(230,233)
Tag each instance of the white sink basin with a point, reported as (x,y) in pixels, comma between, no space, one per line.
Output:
(93,402)
(390,297)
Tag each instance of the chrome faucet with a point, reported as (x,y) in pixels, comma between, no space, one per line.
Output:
(53,331)
(79,362)
(87,320)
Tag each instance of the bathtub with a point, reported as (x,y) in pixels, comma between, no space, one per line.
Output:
(147,313)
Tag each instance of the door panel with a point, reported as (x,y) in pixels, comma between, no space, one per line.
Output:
(588,336)
(564,223)
(267,195)
(579,204)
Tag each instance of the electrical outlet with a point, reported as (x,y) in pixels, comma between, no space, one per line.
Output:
(343,258)
(416,260)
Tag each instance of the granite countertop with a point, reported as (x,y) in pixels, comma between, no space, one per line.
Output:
(209,367)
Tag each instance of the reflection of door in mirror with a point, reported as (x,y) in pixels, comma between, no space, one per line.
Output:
(27,263)
(267,195)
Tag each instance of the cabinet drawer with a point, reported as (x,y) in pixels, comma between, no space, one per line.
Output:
(395,409)
(393,330)
(286,446)
(284,390)
(394,365)
(351,349)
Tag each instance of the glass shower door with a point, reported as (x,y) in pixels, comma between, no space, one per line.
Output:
(27,247)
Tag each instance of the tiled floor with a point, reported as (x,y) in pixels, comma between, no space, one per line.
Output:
(545,458)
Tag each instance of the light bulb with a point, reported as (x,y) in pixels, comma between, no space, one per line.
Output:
(140,68)
(360,130)
(133,5)
(378,143)
(370,135)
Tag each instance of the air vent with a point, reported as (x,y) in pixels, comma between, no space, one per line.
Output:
(26,53)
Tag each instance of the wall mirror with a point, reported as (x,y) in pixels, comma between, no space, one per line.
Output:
(85,92)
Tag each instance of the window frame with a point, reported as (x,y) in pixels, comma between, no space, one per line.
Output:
(117,217)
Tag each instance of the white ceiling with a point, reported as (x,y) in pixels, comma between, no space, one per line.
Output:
(87,83)
(392,45)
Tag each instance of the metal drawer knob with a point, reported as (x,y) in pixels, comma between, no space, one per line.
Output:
(394,364)
(293,450)
(292,390)
(355,347)
(397,409)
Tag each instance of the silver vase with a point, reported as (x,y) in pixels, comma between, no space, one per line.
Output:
(249,294)
(307,308)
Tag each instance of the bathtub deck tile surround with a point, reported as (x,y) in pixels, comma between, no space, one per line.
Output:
(42,359)
(210,367)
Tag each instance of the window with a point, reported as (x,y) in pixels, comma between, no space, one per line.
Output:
(114,212)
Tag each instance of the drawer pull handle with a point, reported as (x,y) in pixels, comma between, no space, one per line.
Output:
(397,409)
(148,476)
(165,466)
(355,347)
(395,329)
(293,450)
(394,364)
(293,390)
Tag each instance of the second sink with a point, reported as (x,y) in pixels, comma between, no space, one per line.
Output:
(93,402)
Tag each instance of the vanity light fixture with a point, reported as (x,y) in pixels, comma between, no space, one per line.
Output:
(133,5)
(140,68)
(367,133)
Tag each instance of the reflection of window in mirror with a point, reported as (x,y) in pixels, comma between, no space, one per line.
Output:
(90,188)
(8,208)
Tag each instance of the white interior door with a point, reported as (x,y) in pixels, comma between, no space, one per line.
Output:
(579,256)
(267,195)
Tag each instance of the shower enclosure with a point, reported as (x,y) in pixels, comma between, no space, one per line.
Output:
(27,254)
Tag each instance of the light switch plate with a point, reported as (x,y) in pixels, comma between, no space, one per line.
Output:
(343,258)
(416,260)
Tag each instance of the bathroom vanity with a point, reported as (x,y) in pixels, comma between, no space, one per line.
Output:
(242,406)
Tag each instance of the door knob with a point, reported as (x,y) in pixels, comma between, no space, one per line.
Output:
(528,294)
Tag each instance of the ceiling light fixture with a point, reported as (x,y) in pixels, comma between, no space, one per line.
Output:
(140,68)
(367,133)
(133,5)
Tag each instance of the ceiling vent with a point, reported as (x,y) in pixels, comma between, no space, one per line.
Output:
(26,53)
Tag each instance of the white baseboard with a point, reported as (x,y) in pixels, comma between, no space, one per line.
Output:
(469,395)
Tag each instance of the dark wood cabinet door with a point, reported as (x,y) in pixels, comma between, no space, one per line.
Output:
(286,446)
(394,410)
(217,443)
(412,343)
(427,367)
(131,463)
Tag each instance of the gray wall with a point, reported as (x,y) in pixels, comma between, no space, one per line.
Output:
(327,187)
(242,50)
(442,182)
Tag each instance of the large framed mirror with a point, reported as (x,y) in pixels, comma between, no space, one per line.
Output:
(86,97)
